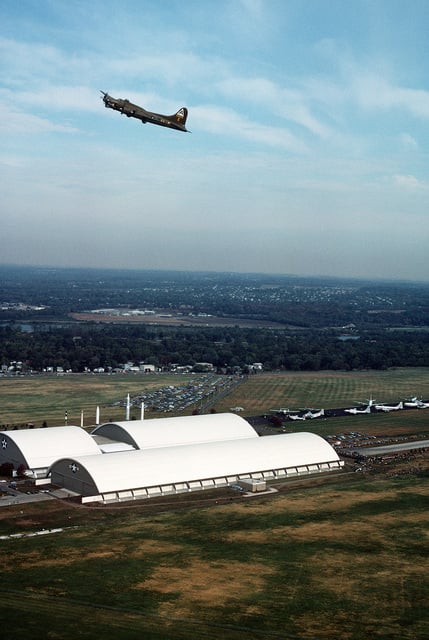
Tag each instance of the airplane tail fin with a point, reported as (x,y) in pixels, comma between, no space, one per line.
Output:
(181,115)
(180,118)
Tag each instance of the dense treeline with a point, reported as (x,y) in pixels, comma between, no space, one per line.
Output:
(90,347)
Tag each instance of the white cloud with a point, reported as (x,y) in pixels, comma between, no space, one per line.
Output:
(254,8)
(372,91)
(12,161)
(17,122)
(408,182)
(27,62)
(185,67)
(368,83)
(230,123)
(290,104)
(55,97)
(408,140)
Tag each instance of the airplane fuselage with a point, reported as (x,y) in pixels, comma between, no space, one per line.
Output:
(316,414)
(176,121)
(355,411)
(387,408)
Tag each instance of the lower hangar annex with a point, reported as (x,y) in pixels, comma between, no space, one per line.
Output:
(146,458)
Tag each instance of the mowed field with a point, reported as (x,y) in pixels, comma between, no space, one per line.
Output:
(38,399)
(327,389)
(335,389)
(347,560)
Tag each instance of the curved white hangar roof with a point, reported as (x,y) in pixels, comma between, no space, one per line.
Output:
(167,432)
(39,448)
(196,466)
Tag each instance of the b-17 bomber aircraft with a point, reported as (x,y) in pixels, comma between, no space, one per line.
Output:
(176,121)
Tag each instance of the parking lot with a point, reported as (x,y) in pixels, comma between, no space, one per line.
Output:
(22,494)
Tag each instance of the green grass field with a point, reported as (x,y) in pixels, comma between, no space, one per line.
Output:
(346,560)
(38,399)
(47,398)
(327,389)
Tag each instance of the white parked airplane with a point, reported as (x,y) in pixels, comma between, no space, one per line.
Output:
(291,417)
(415,402)
(387,408)
(282,410)
(370,402)
(355,411)
(314,414)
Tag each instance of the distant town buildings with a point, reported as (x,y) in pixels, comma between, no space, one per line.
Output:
(20,306)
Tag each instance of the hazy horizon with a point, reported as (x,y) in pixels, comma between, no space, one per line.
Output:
(258,274)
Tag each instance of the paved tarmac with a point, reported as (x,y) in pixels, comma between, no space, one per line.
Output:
(391,448)
(13,496)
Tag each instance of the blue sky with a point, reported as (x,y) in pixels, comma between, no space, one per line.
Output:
(309,144)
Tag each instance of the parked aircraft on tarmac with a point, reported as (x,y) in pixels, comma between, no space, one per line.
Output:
(176,121)
(355,410)
(387,408)
(370,402)
(292,413)
(415,402)
(314,414)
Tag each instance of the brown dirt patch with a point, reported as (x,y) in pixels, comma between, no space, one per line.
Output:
(149,547)
(206,584)
(314,503)
(70,556)
(389,573)
(369,528)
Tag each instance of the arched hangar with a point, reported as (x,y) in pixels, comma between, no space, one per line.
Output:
(38,449)
(168,432)
(167,470)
